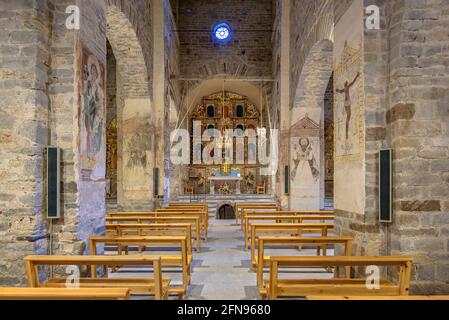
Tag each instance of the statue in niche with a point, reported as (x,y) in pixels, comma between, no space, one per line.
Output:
(251,112)
(201,182)
(348,103)
(304,157)
(250,180)
(199,112)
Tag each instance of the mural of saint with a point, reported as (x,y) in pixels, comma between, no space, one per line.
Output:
(305,164)
(92,118)
(348,103)
(138,146)
(93,106)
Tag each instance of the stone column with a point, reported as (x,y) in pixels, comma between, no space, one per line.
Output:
(284,101)
(159,92)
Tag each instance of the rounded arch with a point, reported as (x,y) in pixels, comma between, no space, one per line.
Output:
(315,75)
(135,123)
(131,63)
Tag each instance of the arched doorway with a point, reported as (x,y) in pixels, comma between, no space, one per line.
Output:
(226,212)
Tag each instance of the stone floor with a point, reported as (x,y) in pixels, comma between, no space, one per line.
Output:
(222,270)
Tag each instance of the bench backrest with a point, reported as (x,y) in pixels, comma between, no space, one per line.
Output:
(145,219)
(149,230)
(286,229)
(176,241)
(282,242)
(378,298)
(277,286)
(32,263)
(64,294)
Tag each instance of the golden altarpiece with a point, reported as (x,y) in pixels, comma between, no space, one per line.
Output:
(224,111)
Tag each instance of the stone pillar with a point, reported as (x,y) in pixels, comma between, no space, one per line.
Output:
(159,91)
(24,132)
(418,130)
(284,101)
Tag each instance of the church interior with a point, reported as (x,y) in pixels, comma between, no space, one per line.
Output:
(224,150)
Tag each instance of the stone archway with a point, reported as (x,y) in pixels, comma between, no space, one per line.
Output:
(307,176)
(135,140)
(225,210)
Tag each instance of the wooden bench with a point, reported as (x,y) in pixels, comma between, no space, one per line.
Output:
(291,229)
(241,206)
(156,286)
(151,230)
(183,260)
(145,219)
(64,294)
(285,213)
(189,211)
(377,298)
(276,242)
(275,287)
(279,219)
(205,207)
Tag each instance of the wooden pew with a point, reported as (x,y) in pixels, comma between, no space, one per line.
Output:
(187,206)
(149,230)
(156,286)
(189,211)
(272,242)
(285,213)
(64,294)
(275,287)
(296,229)
(145,219)
(377,298)
(241,206)
(279,219)
(183,260)
(205,207)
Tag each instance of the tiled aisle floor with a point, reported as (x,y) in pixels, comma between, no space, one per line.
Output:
(222,270)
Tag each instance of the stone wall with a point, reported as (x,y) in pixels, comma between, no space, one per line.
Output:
(318,16)
(418,131)
(248,52)
(25,34)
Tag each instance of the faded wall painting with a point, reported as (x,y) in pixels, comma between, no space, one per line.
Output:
(305,159)
(138,145)
(92,117)
(349,111)
(348,102)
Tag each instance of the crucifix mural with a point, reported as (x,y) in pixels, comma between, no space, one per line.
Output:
(348,104)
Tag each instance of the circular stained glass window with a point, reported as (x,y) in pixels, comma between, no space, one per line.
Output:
(222,31)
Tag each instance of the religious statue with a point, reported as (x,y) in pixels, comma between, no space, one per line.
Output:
(201,182)
(199,112)
(251,112)
(250,180)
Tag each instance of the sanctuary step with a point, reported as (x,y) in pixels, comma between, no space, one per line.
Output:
(213,201)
